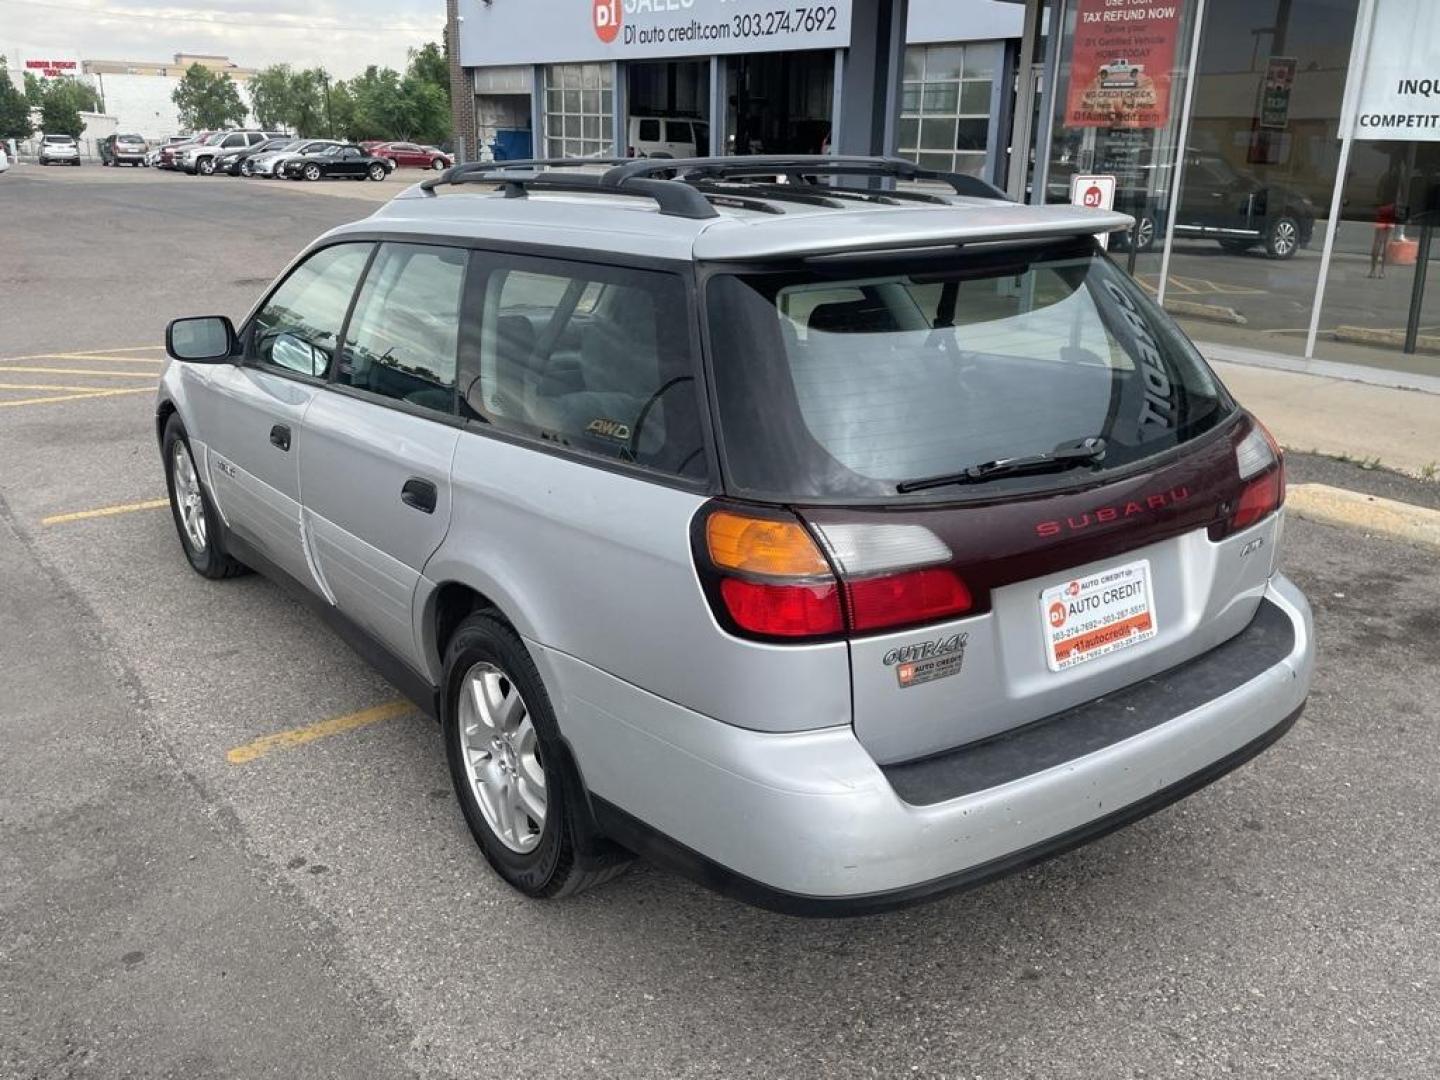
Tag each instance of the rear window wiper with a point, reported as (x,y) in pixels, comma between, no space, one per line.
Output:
(1066,455)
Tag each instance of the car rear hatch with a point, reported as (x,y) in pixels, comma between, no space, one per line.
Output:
(1028,488)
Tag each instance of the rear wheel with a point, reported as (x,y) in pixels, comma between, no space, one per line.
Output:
(195,518)
(519,799)
(1283,238)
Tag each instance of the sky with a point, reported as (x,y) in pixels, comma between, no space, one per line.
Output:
(343,36)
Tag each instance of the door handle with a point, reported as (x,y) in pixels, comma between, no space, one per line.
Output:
(280,436)
(419,494)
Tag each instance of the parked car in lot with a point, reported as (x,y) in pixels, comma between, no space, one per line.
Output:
(199,158)
(664,136)
(236,161)
(404,155)
(4,160)
(123,150)
(836,553)
(345,161)
(59,150)
(169,157)
(268,164)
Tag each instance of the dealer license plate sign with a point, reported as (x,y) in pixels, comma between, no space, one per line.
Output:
(1101,613)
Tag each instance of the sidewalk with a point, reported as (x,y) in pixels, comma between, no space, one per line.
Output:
(1329,413)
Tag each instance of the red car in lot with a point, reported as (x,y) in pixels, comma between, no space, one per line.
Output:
(411,155)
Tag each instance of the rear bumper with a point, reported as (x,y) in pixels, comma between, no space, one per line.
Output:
(808,823)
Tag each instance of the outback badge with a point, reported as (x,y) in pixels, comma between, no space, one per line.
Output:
(926,661)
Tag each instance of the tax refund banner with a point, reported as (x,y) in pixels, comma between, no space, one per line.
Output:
(1122,63)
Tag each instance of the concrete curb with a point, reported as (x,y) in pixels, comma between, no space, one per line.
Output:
(1370,513)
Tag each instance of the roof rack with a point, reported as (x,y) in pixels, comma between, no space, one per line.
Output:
(796,168)
(687,187)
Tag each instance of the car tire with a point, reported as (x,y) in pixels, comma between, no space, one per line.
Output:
(393,163)
(246,169)
(438,165)
(377,171)
(1282,239)
(205,166)
(312,171)
(508,766)
(196,519)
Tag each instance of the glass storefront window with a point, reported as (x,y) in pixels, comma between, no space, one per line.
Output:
(578,103)
(945,105)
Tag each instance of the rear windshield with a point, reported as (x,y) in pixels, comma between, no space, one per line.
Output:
(853,383)
(128,138)
(59,139)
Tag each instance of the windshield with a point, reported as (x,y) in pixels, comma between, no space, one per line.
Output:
(847,385)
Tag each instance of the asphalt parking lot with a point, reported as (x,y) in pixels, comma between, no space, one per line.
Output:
(183,894)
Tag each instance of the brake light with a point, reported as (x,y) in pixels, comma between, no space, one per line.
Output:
(1260,465)
(767,577)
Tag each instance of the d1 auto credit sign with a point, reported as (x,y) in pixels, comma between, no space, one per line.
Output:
(589,30)
(1121,63)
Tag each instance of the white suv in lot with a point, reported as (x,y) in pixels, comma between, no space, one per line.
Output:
(665,136)
(836,550)
(59,150)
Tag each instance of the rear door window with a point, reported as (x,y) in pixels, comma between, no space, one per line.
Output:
(404,331)
(595,359)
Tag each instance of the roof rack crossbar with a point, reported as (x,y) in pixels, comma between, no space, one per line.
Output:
(480,171)
(674,200)
(798,193)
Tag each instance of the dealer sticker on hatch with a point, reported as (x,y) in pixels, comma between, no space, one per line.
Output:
(1098,614)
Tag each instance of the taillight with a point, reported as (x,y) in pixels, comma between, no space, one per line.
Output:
(767,576)
(1260,465)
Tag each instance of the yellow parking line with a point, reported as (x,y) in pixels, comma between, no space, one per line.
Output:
(73,397)
(150,360)
(47,386)
(104,511)
(336,725)
(82,371)
(89,352)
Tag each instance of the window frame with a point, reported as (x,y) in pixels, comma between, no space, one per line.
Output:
(561,262)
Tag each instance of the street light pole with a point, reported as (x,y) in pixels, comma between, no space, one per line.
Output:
(329,116)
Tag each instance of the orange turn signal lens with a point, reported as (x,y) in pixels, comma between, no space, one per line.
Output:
(762,546)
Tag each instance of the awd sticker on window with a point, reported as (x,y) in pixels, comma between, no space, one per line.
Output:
(926,661)
(609,429)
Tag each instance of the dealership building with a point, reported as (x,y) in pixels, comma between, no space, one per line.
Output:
(1281,157)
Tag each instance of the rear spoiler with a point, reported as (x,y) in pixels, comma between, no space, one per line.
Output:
(899,229)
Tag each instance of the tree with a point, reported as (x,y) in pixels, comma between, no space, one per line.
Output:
(208,100)
(14,109)
(34,89)
(270,96)
(63,102)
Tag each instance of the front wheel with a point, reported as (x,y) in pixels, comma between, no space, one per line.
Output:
(246,169)
(502,743)
(1283,238)
(377,172)
(195,518)
(312,172)
(205,166)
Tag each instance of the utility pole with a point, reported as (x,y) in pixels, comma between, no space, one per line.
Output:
(329,116)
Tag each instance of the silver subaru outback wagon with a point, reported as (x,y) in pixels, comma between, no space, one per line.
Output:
(832,531)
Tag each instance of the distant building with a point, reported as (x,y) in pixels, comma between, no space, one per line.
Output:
(138,93)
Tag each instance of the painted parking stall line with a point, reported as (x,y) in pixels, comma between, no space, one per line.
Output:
(323,729)
(105,511)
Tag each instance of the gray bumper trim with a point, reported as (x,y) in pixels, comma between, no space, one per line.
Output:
(1096,724)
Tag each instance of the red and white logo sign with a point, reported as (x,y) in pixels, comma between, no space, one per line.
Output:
(1057,614)
(607,20)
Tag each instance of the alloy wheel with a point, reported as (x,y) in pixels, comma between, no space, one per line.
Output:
(502,757)
(1285,237)
(188,499)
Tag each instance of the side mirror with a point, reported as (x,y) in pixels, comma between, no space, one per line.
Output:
(205,339)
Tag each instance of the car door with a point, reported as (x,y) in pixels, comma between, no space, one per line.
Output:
(375,475)
(678,139)
(349,162)
(405,154)
(251,414)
